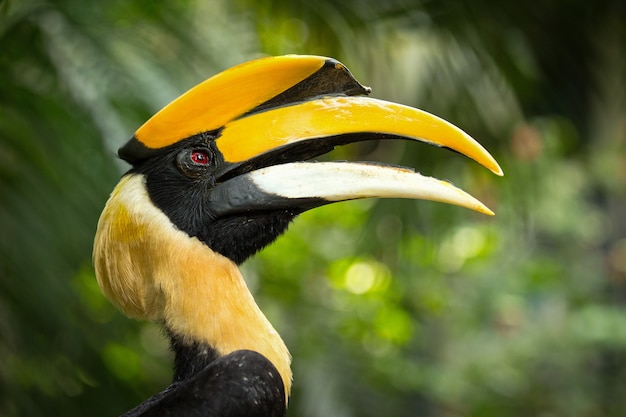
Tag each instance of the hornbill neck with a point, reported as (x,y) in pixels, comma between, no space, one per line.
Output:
(153,270)
(212,313)
(189,358)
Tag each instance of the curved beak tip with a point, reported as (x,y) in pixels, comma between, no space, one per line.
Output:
(497,169)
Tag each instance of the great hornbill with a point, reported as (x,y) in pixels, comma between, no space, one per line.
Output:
(217,175)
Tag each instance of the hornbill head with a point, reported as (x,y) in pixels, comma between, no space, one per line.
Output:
(221,171)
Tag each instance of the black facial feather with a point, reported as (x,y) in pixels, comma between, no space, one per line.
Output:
(181,190)
(240,236)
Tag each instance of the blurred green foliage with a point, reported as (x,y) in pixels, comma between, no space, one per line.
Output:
(396,308)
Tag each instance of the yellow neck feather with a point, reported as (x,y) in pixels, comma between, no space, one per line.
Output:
(151,270)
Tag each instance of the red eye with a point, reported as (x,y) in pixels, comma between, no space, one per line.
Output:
(200,157)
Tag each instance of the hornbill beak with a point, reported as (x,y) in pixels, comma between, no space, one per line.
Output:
(264,118)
